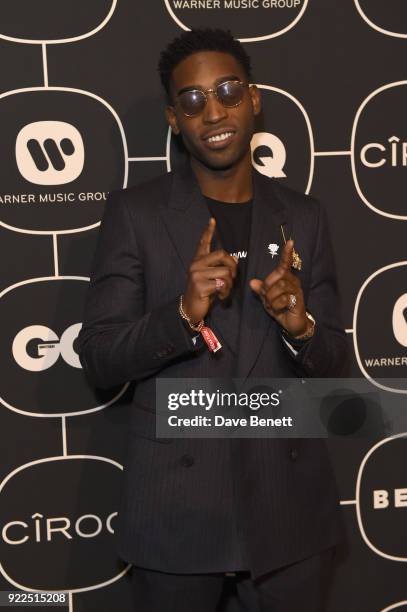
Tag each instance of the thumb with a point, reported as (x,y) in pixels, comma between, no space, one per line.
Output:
(256,285)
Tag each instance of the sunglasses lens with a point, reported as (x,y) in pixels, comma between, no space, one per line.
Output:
(192,102)
(230,93)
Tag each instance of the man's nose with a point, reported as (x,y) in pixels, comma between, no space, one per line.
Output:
(214,110)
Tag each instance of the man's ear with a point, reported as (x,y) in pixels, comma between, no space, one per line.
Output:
(256,99)
(172,119)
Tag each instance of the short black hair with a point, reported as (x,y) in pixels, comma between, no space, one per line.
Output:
(200,39)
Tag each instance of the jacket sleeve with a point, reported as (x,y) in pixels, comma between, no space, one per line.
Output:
(326,353)
(119,341)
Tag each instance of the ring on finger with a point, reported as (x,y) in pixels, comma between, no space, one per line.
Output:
(219,283)
(292,302)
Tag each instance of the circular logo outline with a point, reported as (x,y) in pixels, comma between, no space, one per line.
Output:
(61,414)
(355,315)
(253,39)
(394,606)
(48,460)
(28,41)
(353,152)
(357,500)
(376,27)
(125,150)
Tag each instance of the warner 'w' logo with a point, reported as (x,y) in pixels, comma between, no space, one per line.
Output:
(50,153)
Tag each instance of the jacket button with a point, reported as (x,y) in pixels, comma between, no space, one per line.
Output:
(187,460)
(293,454)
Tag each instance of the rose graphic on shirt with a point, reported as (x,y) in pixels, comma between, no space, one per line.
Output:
(273,249)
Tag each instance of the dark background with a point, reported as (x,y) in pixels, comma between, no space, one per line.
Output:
(330,62)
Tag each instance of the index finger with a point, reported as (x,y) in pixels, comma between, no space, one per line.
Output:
(286,258)
(204,246)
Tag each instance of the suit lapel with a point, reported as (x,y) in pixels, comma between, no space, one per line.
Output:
(185,215)
(268,216)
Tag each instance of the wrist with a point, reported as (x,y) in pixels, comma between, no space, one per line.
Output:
(194,326)
(307,333)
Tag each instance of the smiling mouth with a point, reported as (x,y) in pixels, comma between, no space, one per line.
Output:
(219,140)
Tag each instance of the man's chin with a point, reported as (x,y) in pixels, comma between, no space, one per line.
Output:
(218,163)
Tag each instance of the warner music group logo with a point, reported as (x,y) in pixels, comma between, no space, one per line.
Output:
(50,152)
(381,305)
(250,20)
(234,4)
(62,151)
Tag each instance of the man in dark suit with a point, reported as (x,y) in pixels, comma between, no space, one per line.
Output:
(206,244)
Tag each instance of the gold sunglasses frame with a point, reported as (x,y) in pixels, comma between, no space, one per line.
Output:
(212,90)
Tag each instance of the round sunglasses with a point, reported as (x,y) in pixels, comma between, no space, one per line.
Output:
(193,101)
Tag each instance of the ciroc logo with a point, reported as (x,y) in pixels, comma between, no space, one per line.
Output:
(59,512)
(379,150)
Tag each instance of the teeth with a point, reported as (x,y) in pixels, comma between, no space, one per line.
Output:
(219,137)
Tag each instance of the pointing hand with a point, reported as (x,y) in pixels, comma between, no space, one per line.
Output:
(276,292)
(211,274)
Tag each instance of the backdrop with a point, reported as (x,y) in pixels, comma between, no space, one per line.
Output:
(81,113)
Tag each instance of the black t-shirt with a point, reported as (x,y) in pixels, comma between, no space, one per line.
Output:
(233,223)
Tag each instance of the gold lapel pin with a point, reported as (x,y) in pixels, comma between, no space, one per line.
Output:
(297,262)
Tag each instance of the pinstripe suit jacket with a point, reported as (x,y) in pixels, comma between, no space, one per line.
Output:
(196,505)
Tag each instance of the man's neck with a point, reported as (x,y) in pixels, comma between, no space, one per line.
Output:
(233,185)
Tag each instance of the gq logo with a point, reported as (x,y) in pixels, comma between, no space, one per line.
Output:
(379,150)
(60,511)
(48,350)
(283,147)
(262,145)
(41,371)
(382,356)
(50,153)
